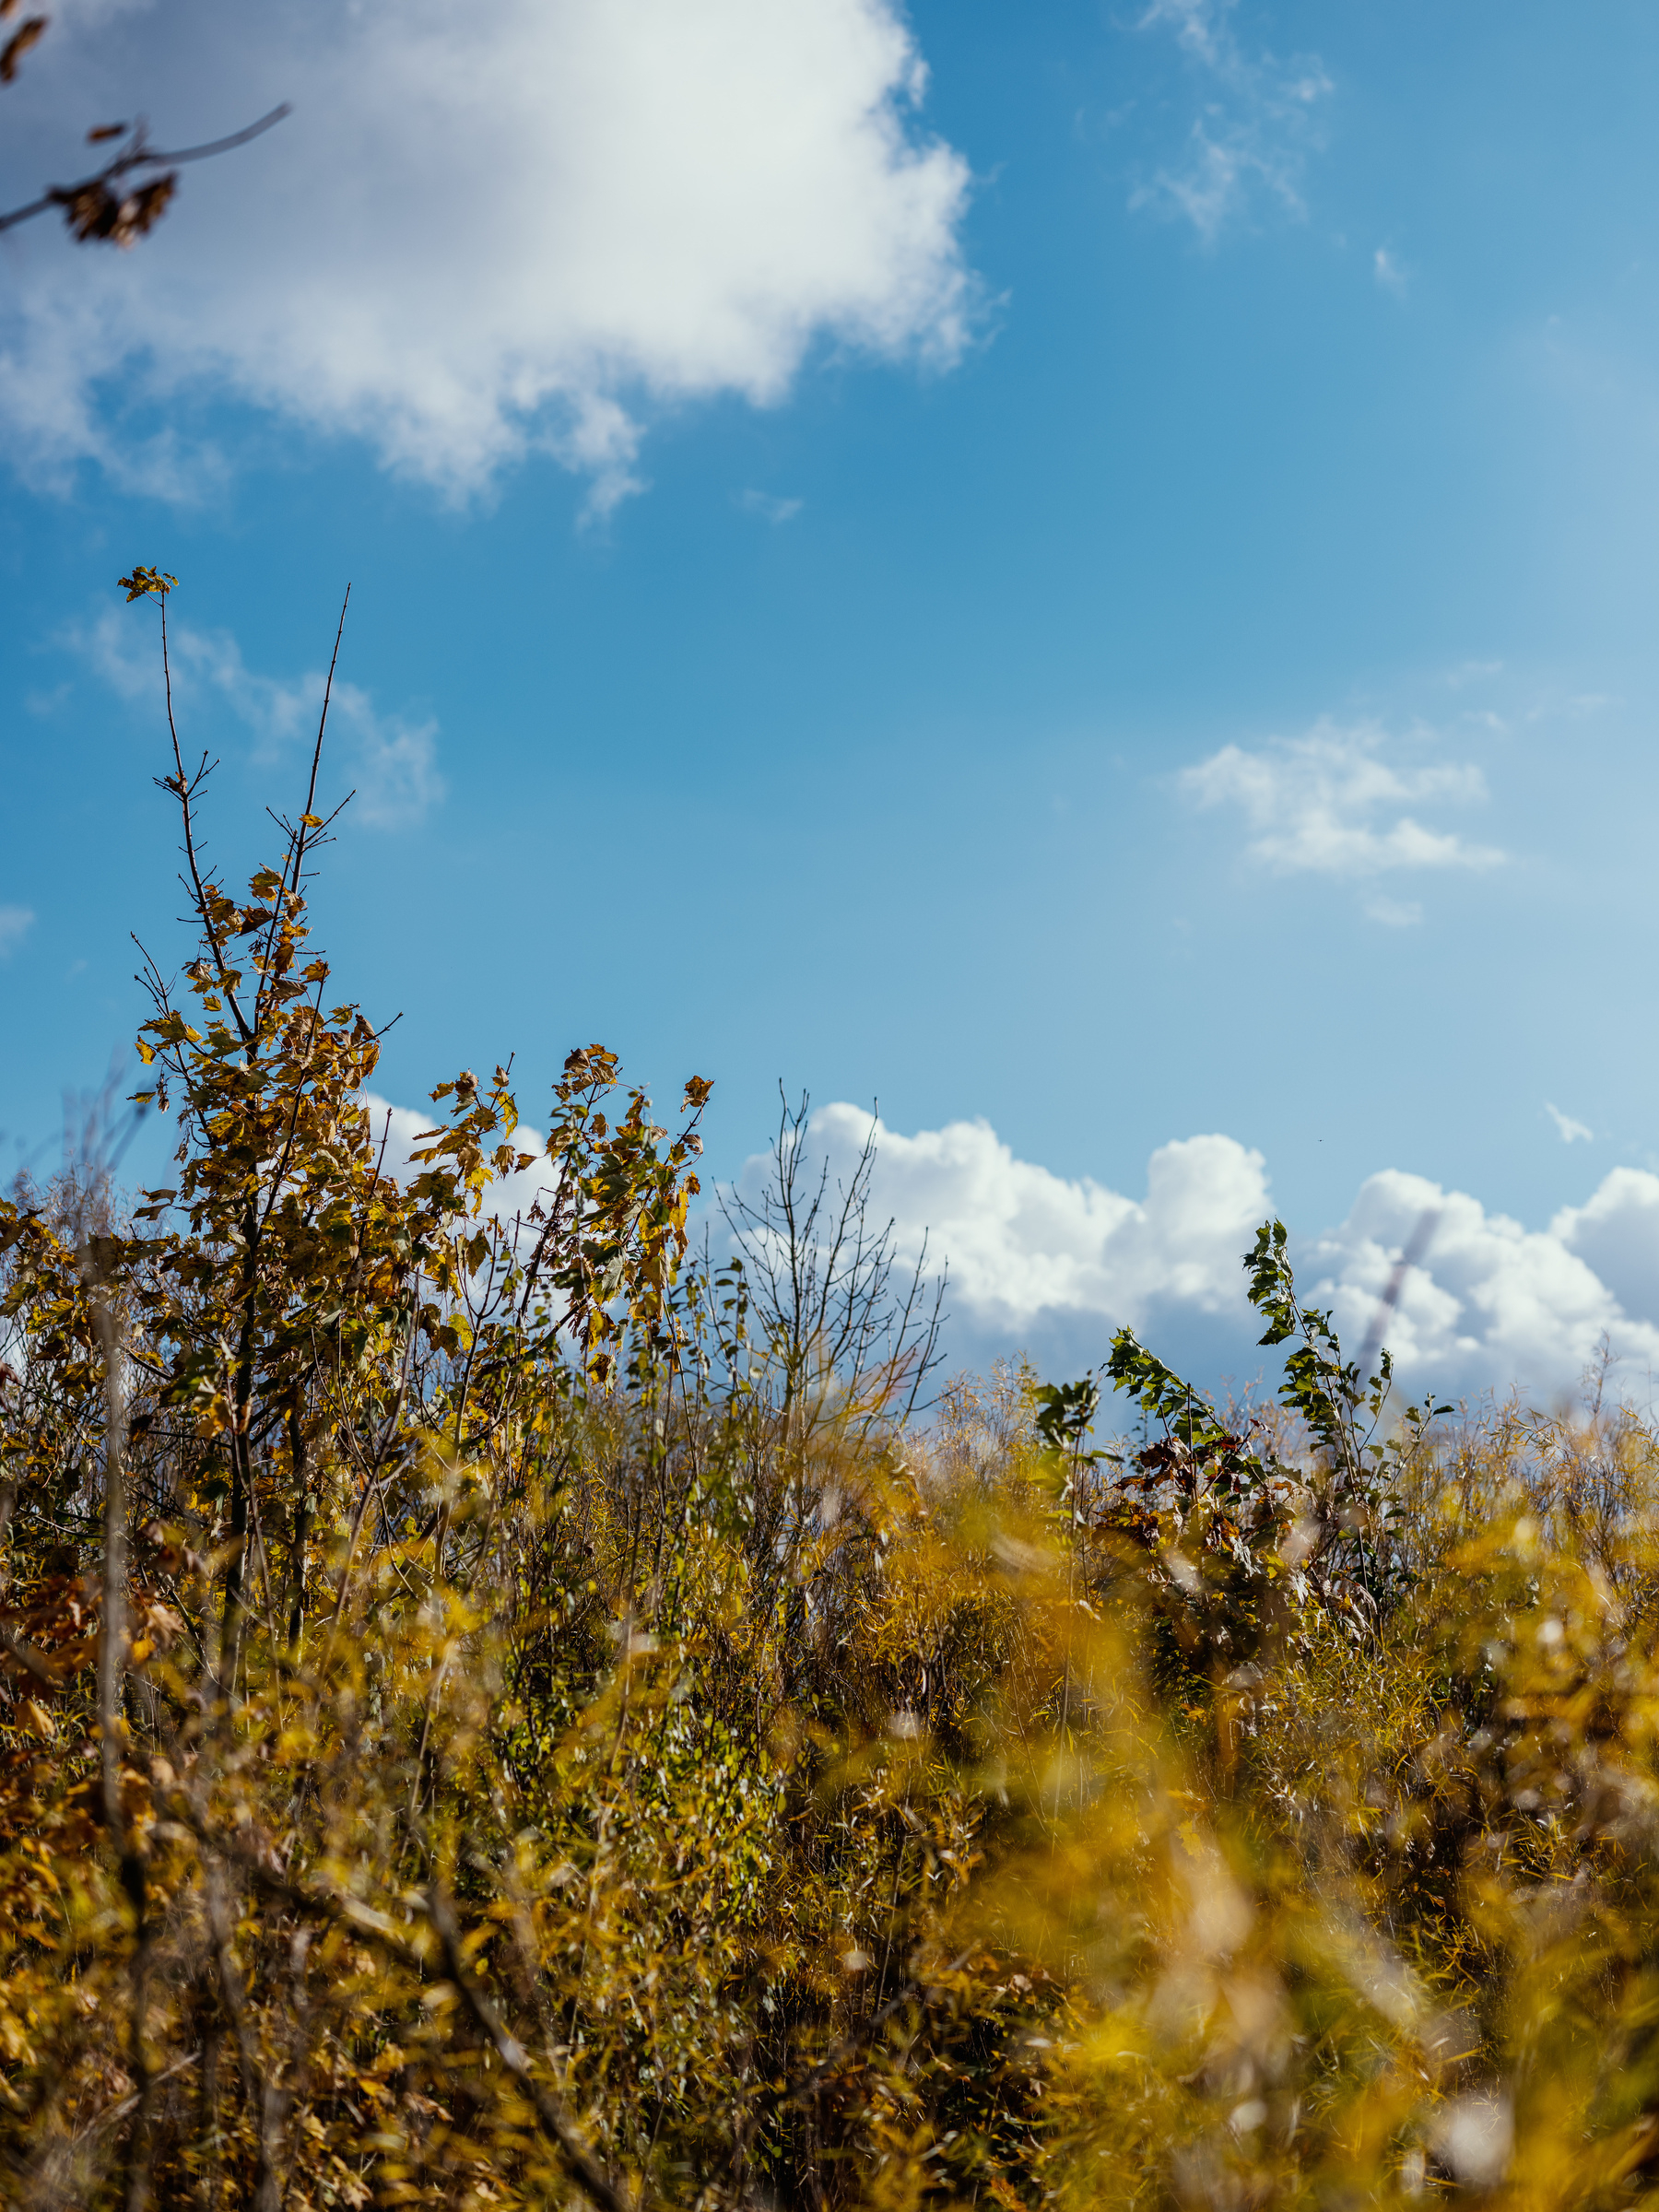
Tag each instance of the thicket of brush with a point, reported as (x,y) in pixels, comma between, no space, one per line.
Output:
(502,1713)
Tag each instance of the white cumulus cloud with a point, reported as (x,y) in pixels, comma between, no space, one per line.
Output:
(480,232)
(1468,1301)
(390,760)
(1333,803)
(1491,1303)
(1056,1264)
(1021,1240)
(1615,1231)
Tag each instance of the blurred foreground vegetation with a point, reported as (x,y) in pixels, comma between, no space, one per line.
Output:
(503,1711)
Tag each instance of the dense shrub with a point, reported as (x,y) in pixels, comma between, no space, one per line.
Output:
(503,1711)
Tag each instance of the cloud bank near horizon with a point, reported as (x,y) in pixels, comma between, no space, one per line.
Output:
(1054,1265)
(479,235)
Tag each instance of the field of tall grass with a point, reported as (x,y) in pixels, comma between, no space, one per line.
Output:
(507,1713)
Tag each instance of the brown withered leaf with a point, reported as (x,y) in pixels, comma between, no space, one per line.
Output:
(164,1625)
(94,214)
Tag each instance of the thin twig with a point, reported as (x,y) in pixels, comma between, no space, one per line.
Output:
(140,155)
(112,1651)
(583,2167)
(113,2115)
(225,146)
(337,1904)
(266,2191)
(185,787)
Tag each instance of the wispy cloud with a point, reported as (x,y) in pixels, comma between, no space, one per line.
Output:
(15,924)
(1389,273)
(1258,122)
(1331,804)
(1395,913)
(389,760)
(768,506)
(1569,1131)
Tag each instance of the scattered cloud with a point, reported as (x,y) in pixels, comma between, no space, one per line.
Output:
(1258,120)
(1332,802)
(1389,274)
(389,760)
(482,235)
(1395,913)
(15,924)
(1472,672)
(769,506)
(1570,1132)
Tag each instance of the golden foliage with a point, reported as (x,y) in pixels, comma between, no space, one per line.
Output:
(481,1725)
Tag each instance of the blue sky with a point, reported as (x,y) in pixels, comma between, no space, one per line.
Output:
(1110,593)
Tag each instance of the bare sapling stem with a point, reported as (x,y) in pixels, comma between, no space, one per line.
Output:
(111,1655)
